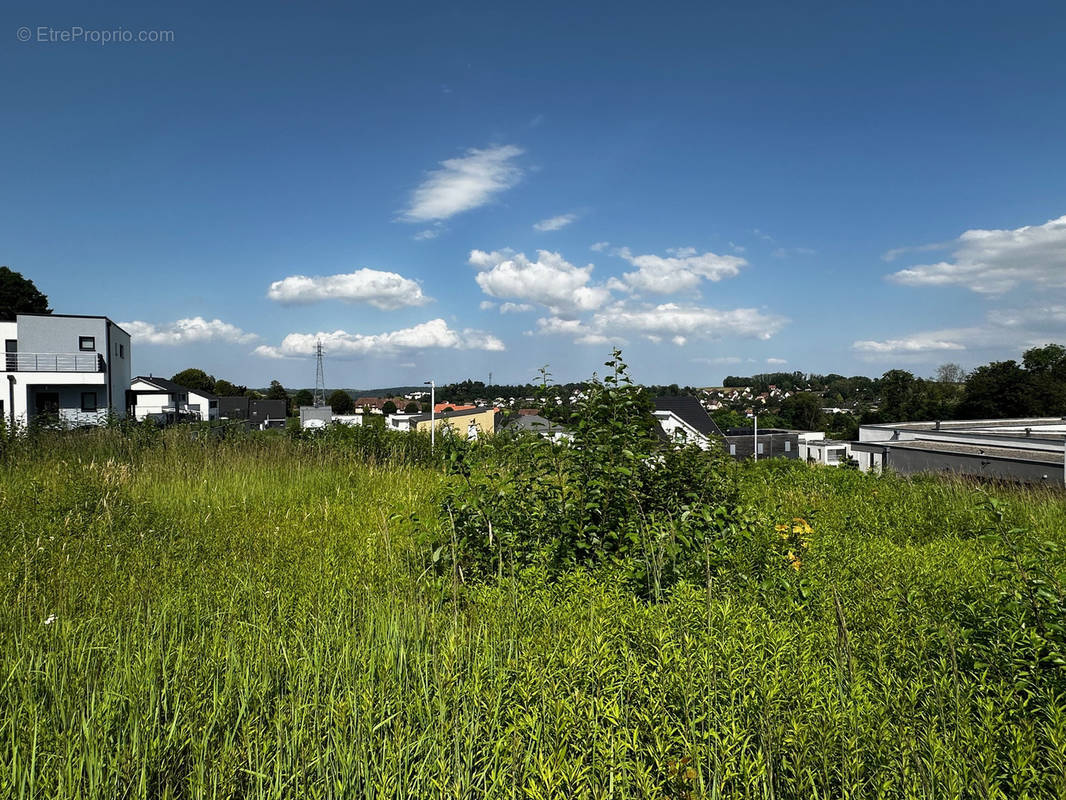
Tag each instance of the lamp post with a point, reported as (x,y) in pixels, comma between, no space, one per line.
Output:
(432,414)
(755,439)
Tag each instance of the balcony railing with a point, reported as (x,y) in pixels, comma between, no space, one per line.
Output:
(53,362)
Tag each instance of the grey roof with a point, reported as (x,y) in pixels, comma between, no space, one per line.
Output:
(980,451)
(535,423)
(690,411)
(170,386)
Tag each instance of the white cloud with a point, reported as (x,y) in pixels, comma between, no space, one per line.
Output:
(776,361)
(910,345)
(487,305)
(186,331)
(340,344)
(896,252)
(429,233)
(995,261)
(551,280)
(385,290)
(681,270)
(514,308)
(464,183)
(1002,332)
(1040,318)
(680,323)
(555,223)
(599,247)
(718,360)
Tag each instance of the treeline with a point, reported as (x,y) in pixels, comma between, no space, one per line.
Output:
(1034,388)
(833,386)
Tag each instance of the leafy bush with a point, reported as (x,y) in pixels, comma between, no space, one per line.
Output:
(615,495)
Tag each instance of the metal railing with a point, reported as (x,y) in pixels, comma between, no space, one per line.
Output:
(53,362)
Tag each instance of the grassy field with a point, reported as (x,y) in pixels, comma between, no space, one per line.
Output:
(259,618)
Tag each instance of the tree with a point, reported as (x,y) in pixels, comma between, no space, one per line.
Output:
(19,295)
(411,408)
(277,391)
(950,373)
(803,410)
(341,402)
(224,388)
(195,379)
(302,398)
(996,390)
(388,407)
(897,395)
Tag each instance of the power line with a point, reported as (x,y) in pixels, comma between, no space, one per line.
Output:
(320,378)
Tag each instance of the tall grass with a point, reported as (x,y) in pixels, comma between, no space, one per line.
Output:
(253,618)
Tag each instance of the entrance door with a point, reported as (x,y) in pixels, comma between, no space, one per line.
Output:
(46,404)
(11,349)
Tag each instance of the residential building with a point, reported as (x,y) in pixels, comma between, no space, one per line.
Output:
(1028,450)
(684,420)
(831,452)
(66,367)
(167,401)
(535,423)
(315,416)
(469,423)
(259,412)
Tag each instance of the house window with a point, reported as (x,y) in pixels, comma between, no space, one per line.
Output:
(732,449)
(760,448)
(88,401)
(87,343)
(122,351)
(788,447)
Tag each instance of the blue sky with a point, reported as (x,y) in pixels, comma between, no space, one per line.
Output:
(442,191)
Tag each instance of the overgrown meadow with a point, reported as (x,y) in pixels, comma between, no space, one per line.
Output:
(346,616)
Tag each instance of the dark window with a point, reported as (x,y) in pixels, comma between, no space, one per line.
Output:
(88,401)
(86,342)
(11,349)
(122,351)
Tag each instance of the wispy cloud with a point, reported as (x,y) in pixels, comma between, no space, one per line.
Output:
(555,223)
(384,290)
(186,331)
(341,344)
(464,183)
(994,261)
(679,322)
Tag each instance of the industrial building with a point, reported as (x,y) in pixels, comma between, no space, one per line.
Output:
(1029,450)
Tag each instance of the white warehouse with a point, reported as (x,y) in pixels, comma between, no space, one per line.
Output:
(63,366)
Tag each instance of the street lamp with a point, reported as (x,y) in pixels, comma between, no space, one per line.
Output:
(432,414)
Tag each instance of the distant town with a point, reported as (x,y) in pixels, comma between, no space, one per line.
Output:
(1005,420)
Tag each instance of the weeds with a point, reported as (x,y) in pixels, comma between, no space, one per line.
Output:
(259,616)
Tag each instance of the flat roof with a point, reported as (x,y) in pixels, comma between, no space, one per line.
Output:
(975,450)
(448,414)
(71,316)
(970,424)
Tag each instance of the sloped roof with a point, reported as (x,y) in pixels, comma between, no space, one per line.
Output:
(170,386)
(689,410)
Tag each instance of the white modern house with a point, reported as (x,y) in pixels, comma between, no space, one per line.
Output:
(159,397)
(684,420)
(65,367)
